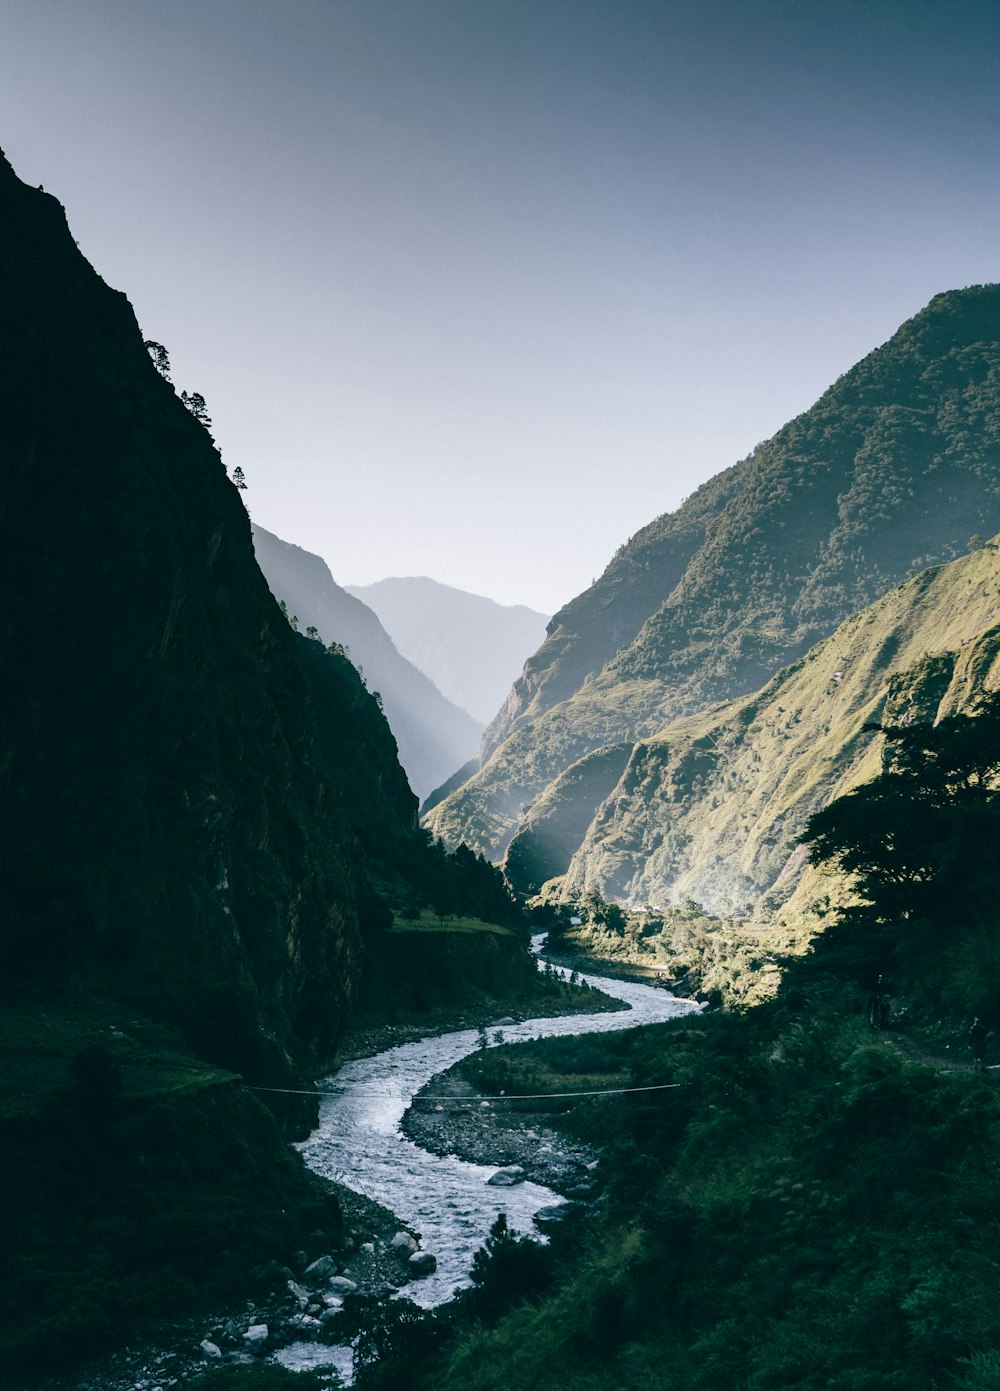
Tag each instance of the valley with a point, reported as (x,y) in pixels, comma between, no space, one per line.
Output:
(746,782)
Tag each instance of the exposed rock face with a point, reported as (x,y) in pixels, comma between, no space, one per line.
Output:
(893,469)
(174,834)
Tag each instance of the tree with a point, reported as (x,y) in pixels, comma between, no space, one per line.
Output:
(195,403)
(920,844)
(161,359)
(239,479)
(506,1271)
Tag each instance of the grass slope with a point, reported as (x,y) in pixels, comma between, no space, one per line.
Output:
(710,808)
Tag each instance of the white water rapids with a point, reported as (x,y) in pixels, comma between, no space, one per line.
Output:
(446,1200)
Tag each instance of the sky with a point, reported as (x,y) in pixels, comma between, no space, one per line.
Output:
(475,289)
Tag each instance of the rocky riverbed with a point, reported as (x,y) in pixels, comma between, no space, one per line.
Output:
(295,1300)
(449,1116)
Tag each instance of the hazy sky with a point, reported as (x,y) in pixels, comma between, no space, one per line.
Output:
(476,288)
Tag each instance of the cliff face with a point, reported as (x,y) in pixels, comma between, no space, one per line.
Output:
(433,735)
(174,836)
(893,469)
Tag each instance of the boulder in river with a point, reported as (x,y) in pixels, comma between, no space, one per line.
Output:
(340,1284)
(507,1177)
(403,1241)
(210,1351)
(422,1263)
(320,1268)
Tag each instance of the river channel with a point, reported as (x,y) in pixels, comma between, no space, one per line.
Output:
(358,1143)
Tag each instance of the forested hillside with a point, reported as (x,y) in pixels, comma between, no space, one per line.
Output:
(894,469)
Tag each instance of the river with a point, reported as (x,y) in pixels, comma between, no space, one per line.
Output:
(358,1143)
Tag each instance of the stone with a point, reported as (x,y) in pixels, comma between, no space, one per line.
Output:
(298,1294)
(581,1190)
(422,1263)
(507,1177)
(210,1351)
(256,1336)
(505,1022)
(304,1323)
(553,1215)
(333,1301)
(403,1241)
(318,1242)
(320,1268)
(340,1284)
(327,1316)
(368,1247)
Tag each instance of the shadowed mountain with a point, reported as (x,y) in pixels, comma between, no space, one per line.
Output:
(433,735)
(471,647)
(892,470)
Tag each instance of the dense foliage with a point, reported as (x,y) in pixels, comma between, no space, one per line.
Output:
(919,843)
(812,1205)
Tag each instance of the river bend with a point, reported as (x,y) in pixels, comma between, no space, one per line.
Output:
(446,1200)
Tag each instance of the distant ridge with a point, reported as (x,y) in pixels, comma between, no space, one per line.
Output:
(471,647)
(433,735)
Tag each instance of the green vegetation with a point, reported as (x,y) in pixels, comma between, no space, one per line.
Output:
(889,473)
(807,1206)
(206,830)
(721,960)
(711,808)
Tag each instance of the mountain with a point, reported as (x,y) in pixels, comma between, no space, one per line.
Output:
(471,647)
(174,835)
(206,831)
(433,735)
(892,470)
(711,808)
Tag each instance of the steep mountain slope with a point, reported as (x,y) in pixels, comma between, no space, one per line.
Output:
(471,647)
(891,470)
(434,736)
(711,808)
(173,834)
